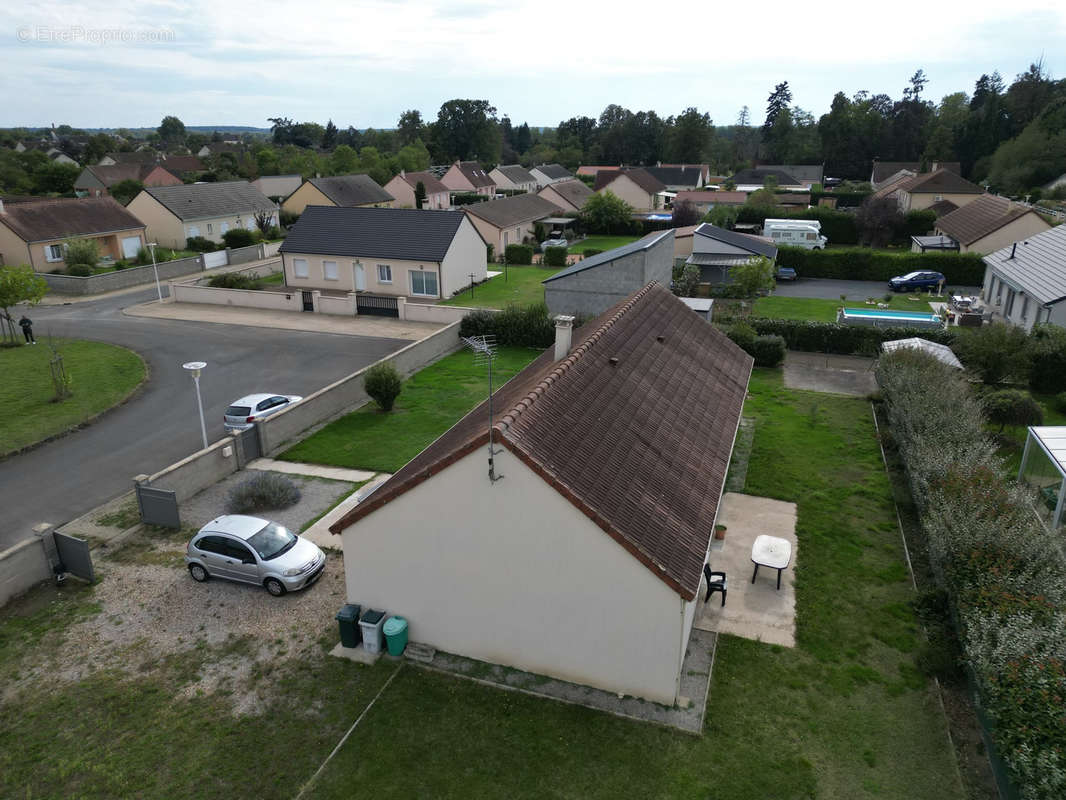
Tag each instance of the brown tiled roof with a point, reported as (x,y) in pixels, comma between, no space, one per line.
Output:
(635,428)
(475,173)
(592,169)
(977,219)
(940,182)
(178,164)
(430,181)
(883,170)
(889,188)
(573,191)
(45,220)
(641,177)
(138,157)
(513,210)
(109,175)
(942,207)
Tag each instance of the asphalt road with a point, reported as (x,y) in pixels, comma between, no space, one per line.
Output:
(66,478)
(831,289)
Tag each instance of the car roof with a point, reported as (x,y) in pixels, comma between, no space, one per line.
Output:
(252,399)
(239,525)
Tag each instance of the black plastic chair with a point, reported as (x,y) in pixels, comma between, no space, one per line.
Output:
(716,582)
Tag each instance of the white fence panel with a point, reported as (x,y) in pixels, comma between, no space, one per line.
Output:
(215,259)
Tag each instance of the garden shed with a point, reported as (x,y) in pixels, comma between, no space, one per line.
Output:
(1044,469)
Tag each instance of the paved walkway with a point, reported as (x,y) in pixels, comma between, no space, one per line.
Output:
(377,327)
(833,374)
(320,534)
(314,470)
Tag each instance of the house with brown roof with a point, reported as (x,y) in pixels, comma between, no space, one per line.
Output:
(96,181)
(513,178)
(469,177)
(638,187)
(568,195)
(402,187)
(510,220)
(987,224)
(922,191)
(705,201)
(884,172)
(343,191)
(35,232)
(185,166)
(577,552)
(146,156)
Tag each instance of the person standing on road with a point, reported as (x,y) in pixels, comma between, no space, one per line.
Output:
(27,329)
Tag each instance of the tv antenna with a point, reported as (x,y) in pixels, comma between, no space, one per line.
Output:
(484,350)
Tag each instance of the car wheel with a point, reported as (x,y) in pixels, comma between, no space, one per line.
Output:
(274,586)
(199,574)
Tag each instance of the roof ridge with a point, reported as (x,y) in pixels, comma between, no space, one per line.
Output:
(511,416)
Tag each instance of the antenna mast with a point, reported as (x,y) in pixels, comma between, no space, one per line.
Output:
(484,349)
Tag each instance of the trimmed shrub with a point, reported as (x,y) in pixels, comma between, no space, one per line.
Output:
(262,492)
(515,326)
(918,222)
(742,335)
(123,264)
(994,352)
(384,384)
(1013,407)
(592,251)
(518,254)
(81,252)
(490,252)
(240,237)
(1047,359)
(235,280)
(768,350)
(832,337)
(865,264)
(200,245)
(555,257)
(80,270)
(467,198)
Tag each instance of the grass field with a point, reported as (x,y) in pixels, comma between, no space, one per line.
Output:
(822,310)
(601,243)
(432,401)
(522,286)
(102,376)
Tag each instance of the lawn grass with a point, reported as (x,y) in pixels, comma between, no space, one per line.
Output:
(103,375)
(845,714)
(816,309)
(522,286)
(601,243)
(432,400)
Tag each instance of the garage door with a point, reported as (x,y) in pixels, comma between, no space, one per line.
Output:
(130,246)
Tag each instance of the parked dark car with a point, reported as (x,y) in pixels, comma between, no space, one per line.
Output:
(786,274)
(916,281)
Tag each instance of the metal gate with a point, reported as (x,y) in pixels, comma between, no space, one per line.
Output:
(74,555)
(376,306)
(308,301)
(250,443)
(158,506)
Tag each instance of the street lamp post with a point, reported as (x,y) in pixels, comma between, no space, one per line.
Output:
(194,367)
(151,247)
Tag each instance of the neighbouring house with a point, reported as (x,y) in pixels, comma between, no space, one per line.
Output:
(942,207)
(402,187)
(185,166)
(421,254)
(1025,282)
(546,174)
(705,172)
(715,250)
(678,178)
(510,220)
(924,190)
(683,242)
(570,195)
(218,148)
(347,191)
(96,181)
(705,201)
(638,187)
(751,180)
(172,214)
(886,171)
(469,177)
(137,157)
(34,232)
(987,224)
(513,178)
(594,284)
(278,187)
(590,170)
(806,174)
(585,561)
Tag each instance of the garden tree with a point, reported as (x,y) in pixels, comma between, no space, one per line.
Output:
(126,190)
(690,135)
(579,132)
(18,285)
(194,141)
(466,130)
(410,127)
(329,136)
(1047,360)
(372,163)
(722,216)
(1030,94)
(1012,407)
(987,126)
(266,161)
(745,139)
(171,131)
(264,221)
(685,213)
(1036,156)
(910,120)
(611,134)
(281,129)
(778,102)
(523,139)
(994,352)
(853,133)
(51,177)
(507,151)
(99,145)
(763,199)
(413,157)
(753,276)
(686,280)
(384,384)
(645,136)
(216,135)
(420,194)
(946,128)
(343,160)
(81,252)
(306,134)
(878,221)
(606,213)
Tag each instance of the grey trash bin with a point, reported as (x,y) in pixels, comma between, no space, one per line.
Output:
(348,622)
(370,626)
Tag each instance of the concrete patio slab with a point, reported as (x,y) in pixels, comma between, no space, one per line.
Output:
(359,654)
(826,372)
(753,610)
(314,470)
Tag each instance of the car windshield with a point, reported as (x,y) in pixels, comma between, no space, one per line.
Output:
(272,541)
(238,411)
(910,276)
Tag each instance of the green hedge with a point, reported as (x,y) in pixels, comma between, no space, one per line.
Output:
(555,257)
(866,264)
(517,326)
(837,226)
(518,254)
(832,337)
(467,198)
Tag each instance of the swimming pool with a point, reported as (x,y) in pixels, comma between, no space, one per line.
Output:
(884,318)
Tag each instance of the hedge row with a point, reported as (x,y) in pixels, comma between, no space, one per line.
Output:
(865,264)
(999,566)
(518,254)
(844,199)
(832,337)
(515,326)
(555,257)
(840,227)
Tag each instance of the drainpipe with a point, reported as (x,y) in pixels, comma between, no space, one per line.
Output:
(681,649)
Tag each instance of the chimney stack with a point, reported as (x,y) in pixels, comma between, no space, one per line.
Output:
(564,327)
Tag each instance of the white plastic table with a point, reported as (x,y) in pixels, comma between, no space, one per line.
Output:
(772,552)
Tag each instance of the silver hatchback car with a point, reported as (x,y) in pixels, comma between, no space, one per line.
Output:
(244,412)
(254,550)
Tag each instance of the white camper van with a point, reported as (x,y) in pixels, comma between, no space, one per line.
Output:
(805,233)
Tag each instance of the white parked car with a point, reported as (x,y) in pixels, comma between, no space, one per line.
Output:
(553,243)
(243,413)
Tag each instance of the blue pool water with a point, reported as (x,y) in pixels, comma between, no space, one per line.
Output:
(880,312)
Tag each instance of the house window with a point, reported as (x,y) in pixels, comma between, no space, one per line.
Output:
(999,292)
(384,273)
(423,283)
(939,197)
(1025,307)
(194,230)
(329,270)
(222,227)
(210,230)
(250,224)
(54,252)
(299,268)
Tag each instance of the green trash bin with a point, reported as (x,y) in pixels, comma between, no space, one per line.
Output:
(348,622)
(395,635)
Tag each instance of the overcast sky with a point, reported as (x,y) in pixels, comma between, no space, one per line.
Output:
(230,62)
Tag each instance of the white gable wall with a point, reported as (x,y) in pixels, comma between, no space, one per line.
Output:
(512,573)
(467,253)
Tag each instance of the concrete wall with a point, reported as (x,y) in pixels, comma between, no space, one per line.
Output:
(195,473)
(281,429)
(514,574)
(22,566)
(592,291)
(441,315)
(400,285)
